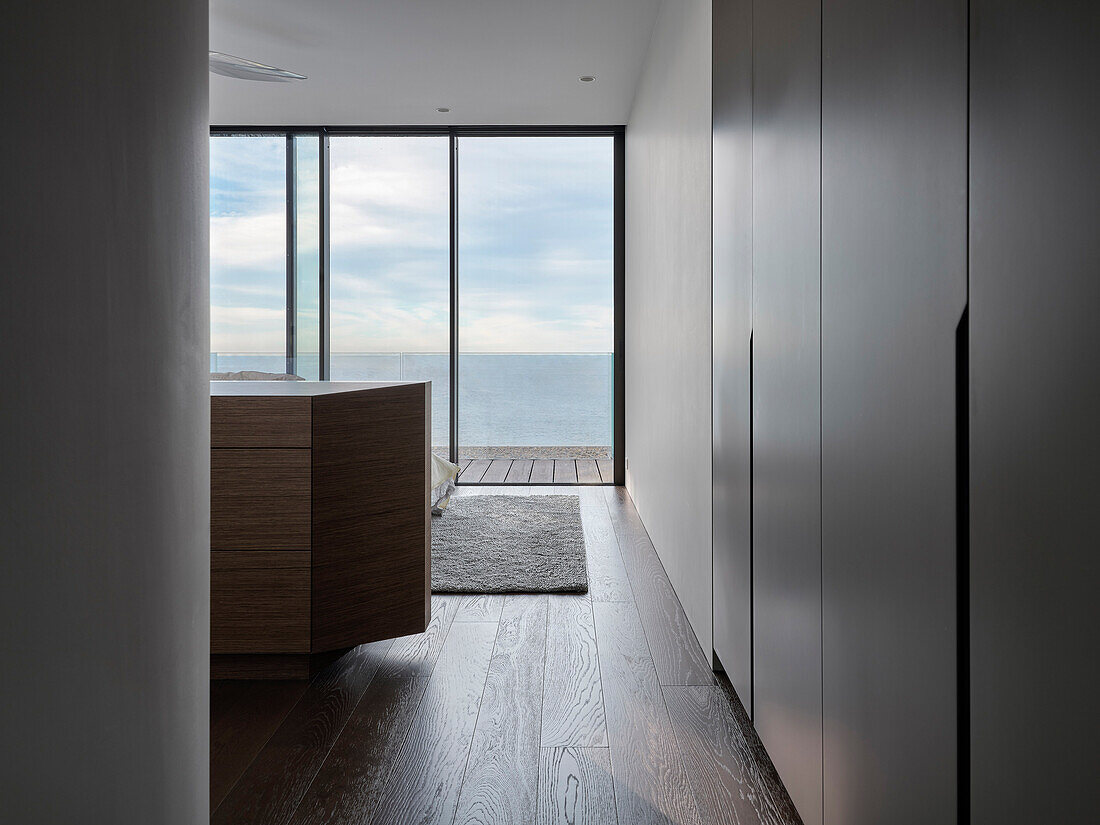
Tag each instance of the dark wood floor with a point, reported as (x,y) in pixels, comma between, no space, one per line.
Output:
(536,471)
(542,709)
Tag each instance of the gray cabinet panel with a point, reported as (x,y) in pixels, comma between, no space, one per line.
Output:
(786,393)
(732,303)
(893,286)
(1035,406)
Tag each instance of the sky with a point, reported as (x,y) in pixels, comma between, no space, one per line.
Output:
(536,225)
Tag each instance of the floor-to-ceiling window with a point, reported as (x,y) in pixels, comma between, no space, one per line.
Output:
(482,260)
(536,266)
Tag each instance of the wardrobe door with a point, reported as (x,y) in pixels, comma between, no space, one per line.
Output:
(732,308)
(893,288)
(787,392)
(1035,406)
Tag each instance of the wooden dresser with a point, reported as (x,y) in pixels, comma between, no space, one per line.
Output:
(320,533)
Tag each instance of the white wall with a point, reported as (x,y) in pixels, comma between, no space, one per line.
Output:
(668,302)
(104,414)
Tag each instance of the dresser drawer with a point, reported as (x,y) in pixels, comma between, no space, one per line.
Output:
(259,602)
(263,421)
(260,499)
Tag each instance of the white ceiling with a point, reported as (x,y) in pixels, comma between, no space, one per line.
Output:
(389,62)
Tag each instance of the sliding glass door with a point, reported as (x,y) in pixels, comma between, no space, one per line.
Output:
(390,265)
(484,261)
(536,267)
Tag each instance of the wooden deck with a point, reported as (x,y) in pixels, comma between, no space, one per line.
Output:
(536,471)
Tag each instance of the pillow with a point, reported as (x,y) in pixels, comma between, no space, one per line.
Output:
(253,375)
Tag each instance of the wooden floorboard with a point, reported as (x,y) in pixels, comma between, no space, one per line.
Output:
(573,712)
(462,723)
(676,653)
(565,471)
(607,578)
(500,785)
(243,717)
(723,757)
(474,471)
(428,767)
(651,783)
(269,791)
(416,655)
(520,471)
(606,467)
(354,777)
(575,787)
(481,608)
(542,471)
(497,472)
(588,472)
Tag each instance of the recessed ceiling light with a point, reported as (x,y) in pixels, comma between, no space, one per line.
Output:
(587,78)
(443,109)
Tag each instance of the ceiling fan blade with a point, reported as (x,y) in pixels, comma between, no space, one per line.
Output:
(230,66)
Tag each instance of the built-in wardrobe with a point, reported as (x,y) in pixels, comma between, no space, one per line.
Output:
(906,384)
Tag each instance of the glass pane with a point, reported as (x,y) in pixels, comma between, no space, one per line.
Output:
(536,297)
(248,253)
(307,261)
(389,230)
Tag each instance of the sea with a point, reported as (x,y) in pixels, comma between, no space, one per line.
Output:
(504,399)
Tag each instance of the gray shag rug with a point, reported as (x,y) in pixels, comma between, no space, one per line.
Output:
(509,544)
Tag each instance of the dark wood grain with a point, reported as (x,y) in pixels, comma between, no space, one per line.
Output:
(416,654)
(243,716)
(520,471)
(677,656)
(484,608)
(575,787)
(260,422)
(500,785)
(607,470)
(259,601)
(429,765)
(607,577)
(276,666)
(347,789)
(274,783)
(565,471)
(542,471)
(573,712)
(260,499)
(497,471)
(651,784)
(588,472)
(474,471)
(723,757)
(371,532)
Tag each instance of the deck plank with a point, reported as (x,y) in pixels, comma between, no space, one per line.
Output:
(520,471)
(565,471)
(354,777)
(275,782)
(428,767)
(474,471)
(676,652)
(497,471)
(575,787)
(588,472)
(606,466)
(651,783)
(501,780)
(573,712)
(542,471)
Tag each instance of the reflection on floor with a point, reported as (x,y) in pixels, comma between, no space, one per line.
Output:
(543,709)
